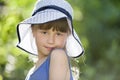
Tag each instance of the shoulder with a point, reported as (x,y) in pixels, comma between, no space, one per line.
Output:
(59,57)
(59,54)
(59,66)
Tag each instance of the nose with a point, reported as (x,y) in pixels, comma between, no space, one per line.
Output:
(51,39)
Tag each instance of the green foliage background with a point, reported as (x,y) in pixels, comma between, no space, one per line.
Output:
(96,21)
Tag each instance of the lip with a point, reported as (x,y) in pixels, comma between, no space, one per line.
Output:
(49,48)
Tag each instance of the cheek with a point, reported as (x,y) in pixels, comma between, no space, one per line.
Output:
(39,40)
(62,42)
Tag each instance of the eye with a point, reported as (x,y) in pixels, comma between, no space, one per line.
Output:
(43,31)
(59,34)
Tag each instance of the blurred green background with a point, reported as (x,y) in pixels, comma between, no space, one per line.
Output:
(96,21)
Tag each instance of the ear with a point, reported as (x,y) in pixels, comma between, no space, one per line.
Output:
(33,30)
(68,33)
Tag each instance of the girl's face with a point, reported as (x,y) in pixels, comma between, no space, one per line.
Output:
(46,40)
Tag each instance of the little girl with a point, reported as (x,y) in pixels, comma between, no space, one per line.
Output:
(49,35)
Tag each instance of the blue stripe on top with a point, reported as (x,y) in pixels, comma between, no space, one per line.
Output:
(55,8)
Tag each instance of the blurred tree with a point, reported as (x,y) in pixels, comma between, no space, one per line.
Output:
(14,63)
(101,28)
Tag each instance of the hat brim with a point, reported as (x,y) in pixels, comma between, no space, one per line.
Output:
(27,41)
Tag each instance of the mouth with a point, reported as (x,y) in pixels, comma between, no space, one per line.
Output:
(49,48)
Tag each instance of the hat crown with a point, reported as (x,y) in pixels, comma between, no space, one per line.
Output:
(59,3)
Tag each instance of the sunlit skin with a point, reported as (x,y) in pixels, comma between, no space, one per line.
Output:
(47,40)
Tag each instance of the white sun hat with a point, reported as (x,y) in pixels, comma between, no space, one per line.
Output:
(46,11)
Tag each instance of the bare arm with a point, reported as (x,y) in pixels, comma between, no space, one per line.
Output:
(59,67)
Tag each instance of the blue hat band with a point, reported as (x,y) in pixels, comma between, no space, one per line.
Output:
(56,8)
